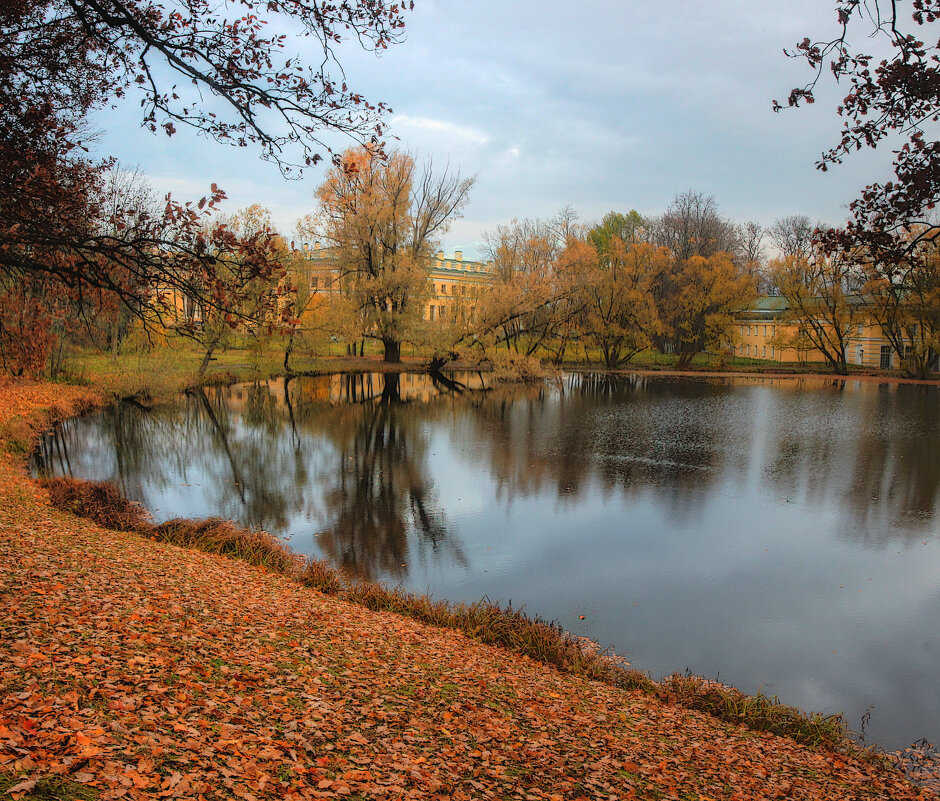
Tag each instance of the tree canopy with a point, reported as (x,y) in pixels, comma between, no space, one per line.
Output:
(224,70)
(895,99)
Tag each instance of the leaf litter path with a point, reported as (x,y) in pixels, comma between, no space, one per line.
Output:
(142,670)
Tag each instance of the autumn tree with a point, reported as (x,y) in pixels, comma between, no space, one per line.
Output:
(382,214)
(227,74)
(618,290)
(253,298)
(894,99)
(823,304)
(533,301)
(903,297)
(697,308)
(707,280)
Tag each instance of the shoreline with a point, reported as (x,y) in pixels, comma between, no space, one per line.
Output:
(66,400)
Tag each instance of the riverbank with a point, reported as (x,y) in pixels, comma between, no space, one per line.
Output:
(136,668)
(161,374)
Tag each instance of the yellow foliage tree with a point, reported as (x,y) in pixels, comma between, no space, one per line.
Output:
(619,311)
(697,307)
(823,303)
(381,215)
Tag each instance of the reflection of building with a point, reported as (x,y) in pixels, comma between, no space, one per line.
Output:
(455,282)
(766,330)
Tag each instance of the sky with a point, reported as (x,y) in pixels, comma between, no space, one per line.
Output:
(595,105)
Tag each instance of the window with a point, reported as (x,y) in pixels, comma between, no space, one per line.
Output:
(861,355)
(765,351)
(443,289)
(859,329)
(442,310)
(431,312)
(314,281)
(765,330)
(885,357)
(772,354)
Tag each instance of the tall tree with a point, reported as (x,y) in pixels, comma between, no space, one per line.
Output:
(698,307)
(381,214)
(751,236)
(536,267)
(619,311)
(903,296)
(793,236)
(692,226)
(628,228)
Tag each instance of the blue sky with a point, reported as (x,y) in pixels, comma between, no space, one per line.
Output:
(596,105)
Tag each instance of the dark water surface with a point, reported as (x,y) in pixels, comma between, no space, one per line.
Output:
(777,534)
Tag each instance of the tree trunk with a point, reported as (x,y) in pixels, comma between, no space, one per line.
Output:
(208,357)
(287,352)
(392,350)
(685,359)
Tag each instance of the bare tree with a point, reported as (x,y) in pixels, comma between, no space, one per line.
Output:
(793,235)
(754,256)
(692,226)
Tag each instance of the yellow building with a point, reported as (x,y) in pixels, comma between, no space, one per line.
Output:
(763,331)
(455,285)
(455,282)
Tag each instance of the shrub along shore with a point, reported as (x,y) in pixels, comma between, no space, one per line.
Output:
(142,660)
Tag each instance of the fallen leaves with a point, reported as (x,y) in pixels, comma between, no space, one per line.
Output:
(140,670)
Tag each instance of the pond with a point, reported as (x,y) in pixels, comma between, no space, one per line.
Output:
(776,534)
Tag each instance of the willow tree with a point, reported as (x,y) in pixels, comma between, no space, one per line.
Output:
(382,214)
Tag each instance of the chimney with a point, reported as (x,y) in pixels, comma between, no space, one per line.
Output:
(458,255)
(440,255)
(316,245)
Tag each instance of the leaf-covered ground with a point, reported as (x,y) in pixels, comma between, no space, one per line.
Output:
(141,670)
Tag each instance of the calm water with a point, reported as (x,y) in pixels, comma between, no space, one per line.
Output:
(781,535)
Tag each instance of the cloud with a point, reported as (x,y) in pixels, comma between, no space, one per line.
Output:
(447,129)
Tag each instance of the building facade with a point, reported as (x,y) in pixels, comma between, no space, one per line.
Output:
(455,283)
(765,330)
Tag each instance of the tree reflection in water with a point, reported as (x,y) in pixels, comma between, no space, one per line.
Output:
(348,453)
(381,491)
(700,518)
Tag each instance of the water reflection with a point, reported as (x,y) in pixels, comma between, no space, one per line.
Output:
(779,533)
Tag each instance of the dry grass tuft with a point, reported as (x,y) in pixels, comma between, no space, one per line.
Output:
(215,535)
(100,501)
(758,712)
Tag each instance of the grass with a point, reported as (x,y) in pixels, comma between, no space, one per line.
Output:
(48,788)
(758,712)
(160,371)
(483,620)
(102,502)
